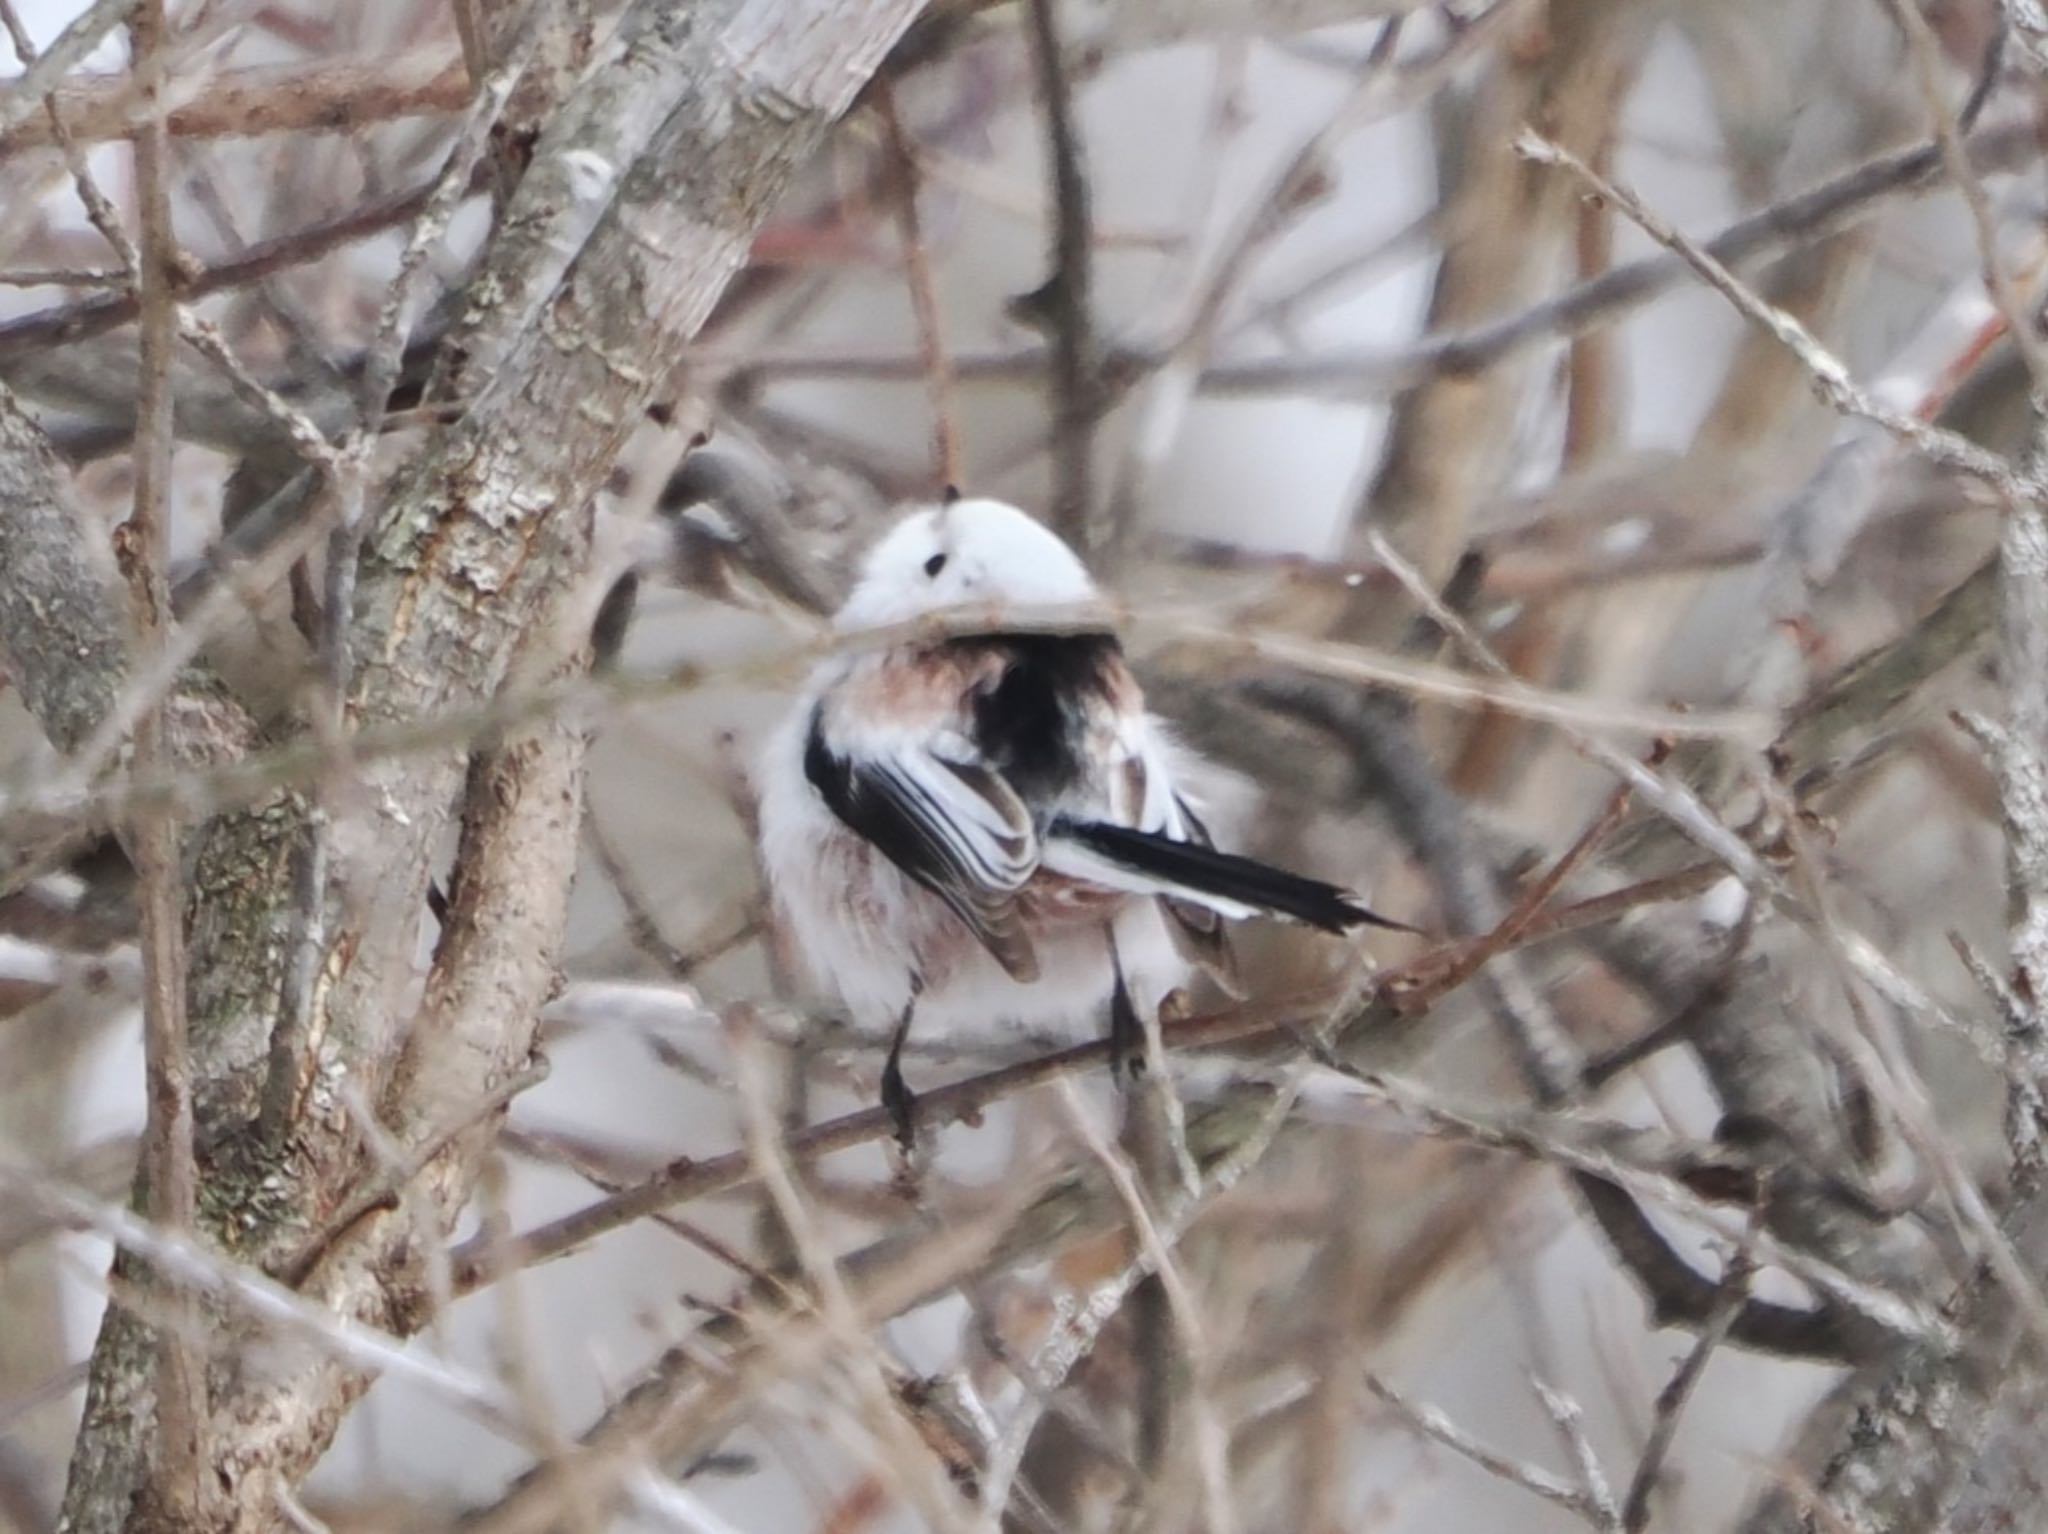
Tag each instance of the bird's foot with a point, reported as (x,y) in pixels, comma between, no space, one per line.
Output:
(1126,1038)
(907,1158)
(901,1104)
(906,1173)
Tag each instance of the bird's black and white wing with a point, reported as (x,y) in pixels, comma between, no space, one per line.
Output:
(975,767)
(1201,933)
(1141,792)
(931,805)
(1144,839)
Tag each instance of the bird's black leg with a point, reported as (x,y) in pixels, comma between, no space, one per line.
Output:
(1126,1031)
(896,1094)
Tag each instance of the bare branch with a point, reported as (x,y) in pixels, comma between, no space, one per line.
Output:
(1635,1507)
(1065,303)
(266,99)
(169,1179)
(24,97)
(30,333)
(917,271)
(1830,377)
(1434,1425)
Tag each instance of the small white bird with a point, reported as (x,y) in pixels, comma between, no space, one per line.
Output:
(986,827)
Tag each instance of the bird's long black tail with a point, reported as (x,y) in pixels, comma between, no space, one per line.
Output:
(1224,875)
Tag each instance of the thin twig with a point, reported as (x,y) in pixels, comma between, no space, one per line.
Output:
(99,212)
(1529,905)
(1949,128)
(1734,1292)
(71,323)
(1080,1322)
(915,1468)
(202,334)
(1301,184)
(1504,691)
(1794,222)
(269,1303)
(297,428)
(1067,299)
(235,103)
(79,795)
(1200,1400)
(643,926)
(1830,375)
(1902,1316)
(689,1179)
(1438,1428)
(924,297)
(1670,798)
(22,97)
(63,277)
(168,1169)
(1571,1426)
(387,1187)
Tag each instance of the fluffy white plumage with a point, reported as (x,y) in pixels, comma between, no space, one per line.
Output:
(970,819)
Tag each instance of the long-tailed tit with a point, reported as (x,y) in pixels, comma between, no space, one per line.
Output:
(983,826)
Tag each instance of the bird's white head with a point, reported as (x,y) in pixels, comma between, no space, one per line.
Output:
(968,553)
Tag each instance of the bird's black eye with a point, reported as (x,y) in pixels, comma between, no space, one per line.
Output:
(935,564)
